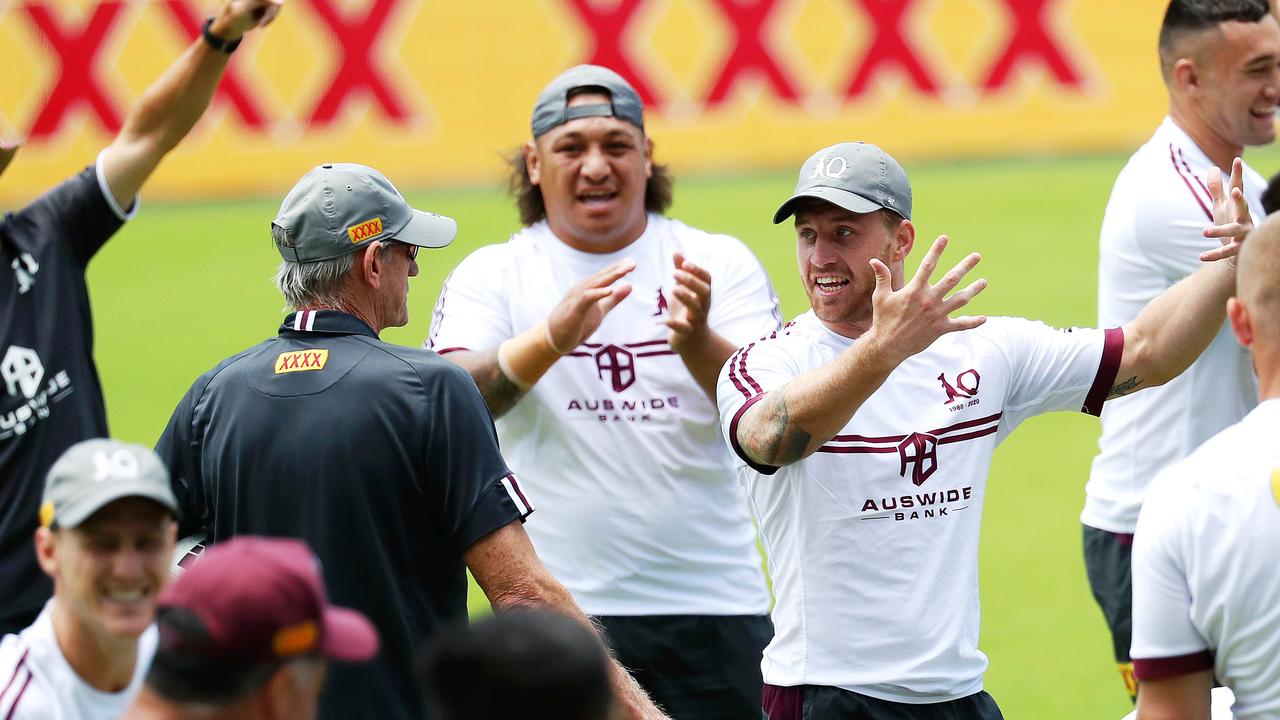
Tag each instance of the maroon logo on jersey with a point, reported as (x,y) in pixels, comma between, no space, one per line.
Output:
(966,385)
(619,363)
(662,304)
(920,451)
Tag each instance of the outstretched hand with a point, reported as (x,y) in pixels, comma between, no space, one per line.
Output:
(237,17)
(583,308)
(1231,218)
(691,297)
(907,321)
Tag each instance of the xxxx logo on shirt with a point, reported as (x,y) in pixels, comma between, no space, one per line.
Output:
(301,360)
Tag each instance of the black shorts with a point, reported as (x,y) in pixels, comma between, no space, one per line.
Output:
(697,667)
(818,702)
(1107,558)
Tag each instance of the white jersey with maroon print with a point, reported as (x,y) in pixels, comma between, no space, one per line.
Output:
(639,511)
(1206,585)
(1152,237)
(873,540)
(37,682)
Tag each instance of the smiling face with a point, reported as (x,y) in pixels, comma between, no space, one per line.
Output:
(833,247)
(1238,92)
(592,173)
(110,569)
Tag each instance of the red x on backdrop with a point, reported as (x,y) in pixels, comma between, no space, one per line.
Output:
(431,91)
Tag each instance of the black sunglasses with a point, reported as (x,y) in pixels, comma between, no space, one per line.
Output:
(413,249)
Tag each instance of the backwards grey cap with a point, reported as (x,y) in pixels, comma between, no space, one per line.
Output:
(338,208)
(552,108)
(94,473)
(858,177)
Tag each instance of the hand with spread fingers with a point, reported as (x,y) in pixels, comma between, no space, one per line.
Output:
(1231,218)
(908,320)
(691,303)
(583,308)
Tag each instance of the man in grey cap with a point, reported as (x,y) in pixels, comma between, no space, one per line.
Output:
(106,534)
(383,458)
(595,336)
(864,432)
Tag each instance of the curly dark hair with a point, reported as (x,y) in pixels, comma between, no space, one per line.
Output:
(657,191)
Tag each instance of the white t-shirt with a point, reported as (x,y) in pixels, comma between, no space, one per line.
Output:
(638,509)
(37,682)
(1152,237)
(1206,581)
(873,540)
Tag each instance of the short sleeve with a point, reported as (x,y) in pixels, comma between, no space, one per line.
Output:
(1165,642)
(744,305)
(749,374)
(472,312)
(472,490)
(1052,369)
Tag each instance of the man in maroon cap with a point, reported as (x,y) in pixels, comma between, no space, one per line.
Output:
(245,632)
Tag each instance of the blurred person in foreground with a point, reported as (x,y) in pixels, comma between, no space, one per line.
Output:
(247,633)
(865,429)
(595,335)
(106,534)
(1220,60)
(1206,591)
(50,397)
(382,457)
(520,665)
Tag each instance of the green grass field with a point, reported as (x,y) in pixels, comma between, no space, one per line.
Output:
(182,286)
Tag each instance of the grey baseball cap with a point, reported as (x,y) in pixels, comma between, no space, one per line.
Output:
(338,208)
(94,473)
(858,177)
(552,108)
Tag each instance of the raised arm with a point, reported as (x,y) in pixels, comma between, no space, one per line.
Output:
(796,419)
(1174,328)
(170,107)
(507,372)
(511,575)
(702,349)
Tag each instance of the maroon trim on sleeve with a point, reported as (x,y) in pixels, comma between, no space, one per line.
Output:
(446,351)
(733,438)
(1160,668)
(1112,351)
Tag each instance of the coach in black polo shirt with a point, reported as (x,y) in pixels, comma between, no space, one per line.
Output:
(384,458)
(50,396)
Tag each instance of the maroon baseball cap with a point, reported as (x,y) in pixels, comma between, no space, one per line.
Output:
(260,601)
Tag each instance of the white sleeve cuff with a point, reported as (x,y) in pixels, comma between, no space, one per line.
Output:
(111,198)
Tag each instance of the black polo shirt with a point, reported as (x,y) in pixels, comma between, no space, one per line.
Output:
(50,397)
(383,458)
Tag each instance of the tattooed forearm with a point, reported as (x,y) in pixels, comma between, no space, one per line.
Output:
(1125,387)
(497,389)
(776,440)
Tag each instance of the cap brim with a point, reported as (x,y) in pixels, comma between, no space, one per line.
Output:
(852,202)
(427,230)
(90,502)
(348,635)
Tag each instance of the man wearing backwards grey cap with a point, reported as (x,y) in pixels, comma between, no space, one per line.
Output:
(383,458)
(592,333)
(864,432)
(106,535)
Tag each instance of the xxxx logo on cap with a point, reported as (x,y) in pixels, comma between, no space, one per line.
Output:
(365,230)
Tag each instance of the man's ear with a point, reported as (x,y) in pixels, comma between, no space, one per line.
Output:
(648,157)
(904,240)
(371,265)
(1186,76)
(1241,323)
(46,545)
(532,163)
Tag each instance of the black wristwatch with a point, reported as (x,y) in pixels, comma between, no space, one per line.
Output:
(217,43)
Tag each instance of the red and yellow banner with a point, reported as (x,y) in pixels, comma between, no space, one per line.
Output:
(432,92)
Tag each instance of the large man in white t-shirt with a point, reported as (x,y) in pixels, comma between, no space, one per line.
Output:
(106,535)
(1206,591)
(1221,64)
(595,335)
(865,429)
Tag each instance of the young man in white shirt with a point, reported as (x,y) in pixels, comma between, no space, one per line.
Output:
(106,535)
(1206,594)
(595,335)
(865,429)
(1221,65)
